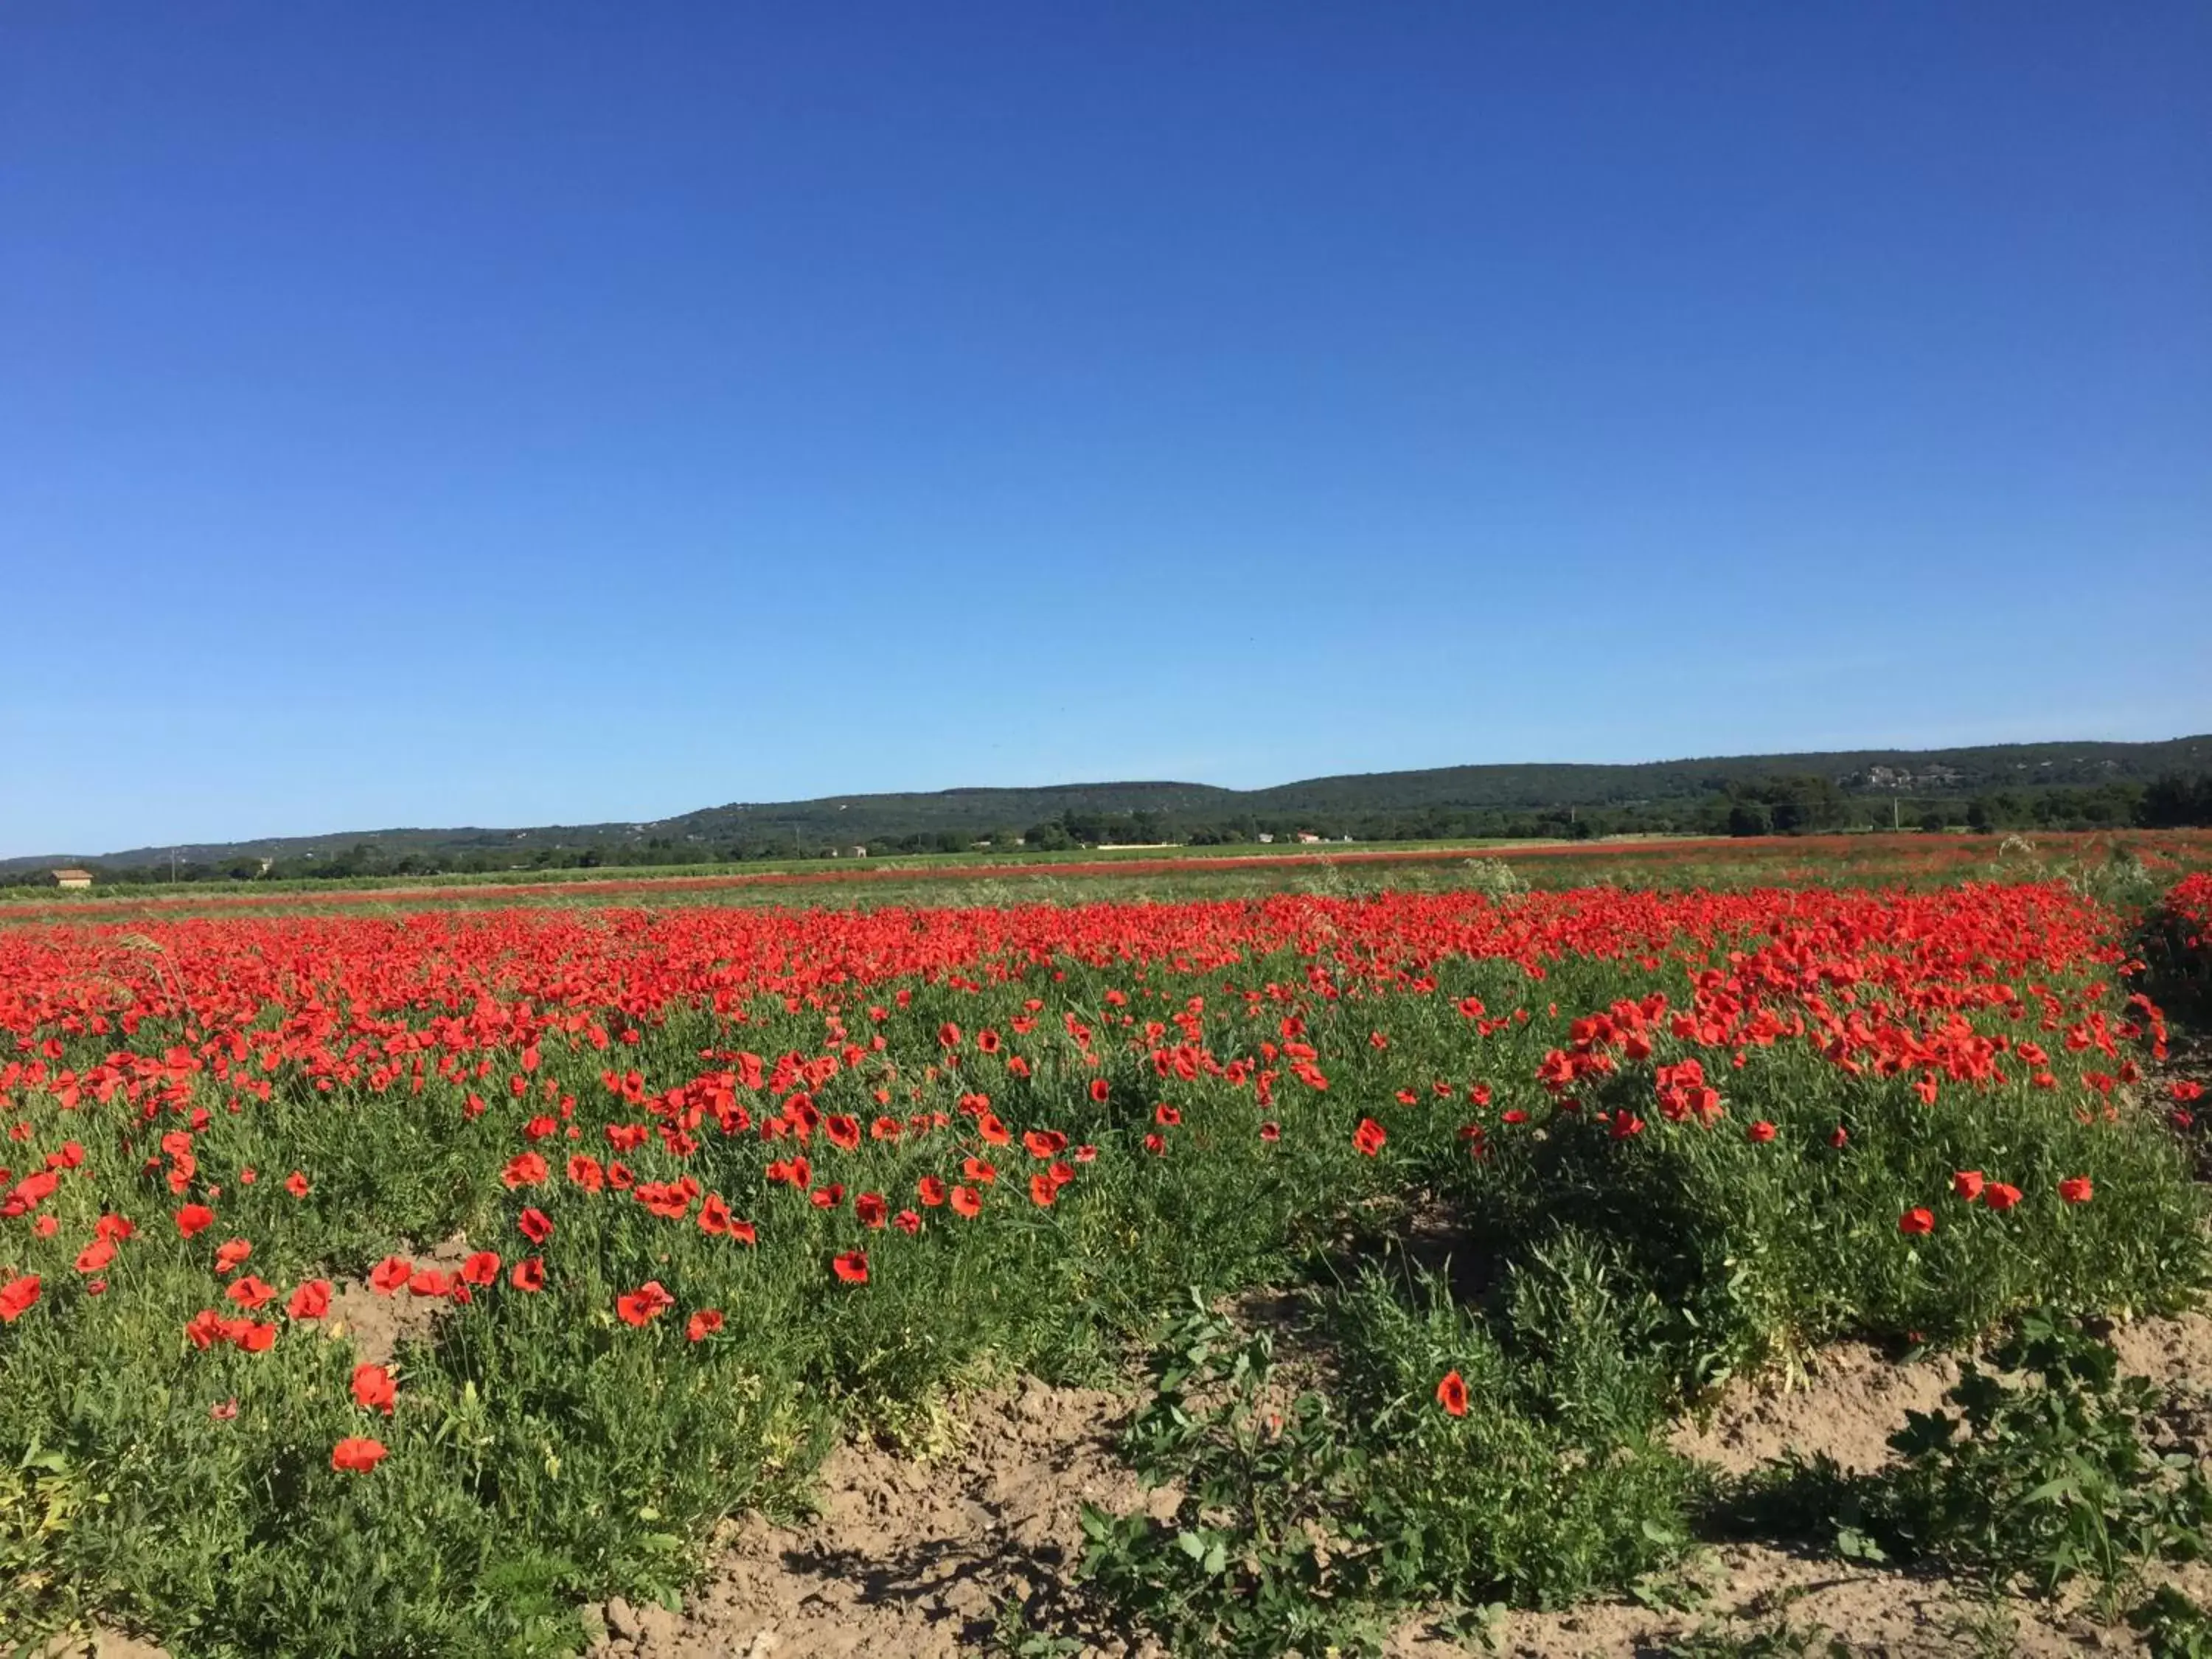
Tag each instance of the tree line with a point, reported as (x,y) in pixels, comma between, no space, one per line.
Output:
(1802,804)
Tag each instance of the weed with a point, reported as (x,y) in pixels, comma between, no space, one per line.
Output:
(2172,1625)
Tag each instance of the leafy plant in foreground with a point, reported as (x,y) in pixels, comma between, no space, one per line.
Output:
(2044,1474)
(2051,1479)
(1264,1553)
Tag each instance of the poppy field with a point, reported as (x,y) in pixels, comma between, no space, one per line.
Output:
(672,1198)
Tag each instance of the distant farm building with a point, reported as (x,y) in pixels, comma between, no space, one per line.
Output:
(73,878)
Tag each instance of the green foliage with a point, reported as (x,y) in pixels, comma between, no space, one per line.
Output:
(2041,1473)
(1301,1521)
(1780,1640)
(1756,1258)
(2046,1477)
(1266,1552)
(2172,1625)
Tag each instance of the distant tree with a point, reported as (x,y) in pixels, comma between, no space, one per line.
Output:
(1750,818)
(1051,836)
(1801,803)
(2173,802)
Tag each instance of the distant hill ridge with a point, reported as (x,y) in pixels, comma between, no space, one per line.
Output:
(1934,774)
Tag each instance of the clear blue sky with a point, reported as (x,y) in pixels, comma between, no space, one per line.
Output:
(510,413)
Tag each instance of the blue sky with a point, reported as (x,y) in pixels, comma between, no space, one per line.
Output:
(418,414)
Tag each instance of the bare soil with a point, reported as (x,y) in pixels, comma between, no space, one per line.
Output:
(377,1324)
(908,1559)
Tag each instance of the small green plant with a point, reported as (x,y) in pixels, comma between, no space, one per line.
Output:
(1780,1640)
(2172,1625)
(2047,1477)
(2042,1473)
(1264,1553)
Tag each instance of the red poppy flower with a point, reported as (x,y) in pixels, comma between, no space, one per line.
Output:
(1099,1091)
(907,1222)
(387,1277)
(296,1184)
(525,1170)
(113,1228)
(966,1200)
(17,1297)
(1761,1132)
(357,1455)
(1451,1394)
(1968,1184)
(194,1217)
(1917,1221)
(1838,1137)
(1368,1137)
(535,1225)
(205,1328)
(229,1254)
(641,1306)
(251,1292)
(1167,1116)
(529,1274)
(1271,1132)
(251,1336)
(1999,1197)
(429,1281)
(948,1034)
(702,1324)
(1042,1190)
(311,1300)
(2077,1190)
(373,1389)
(851,1266)
(669,1200)
(481,1267)
(584,1171)
(871,1210)
(95,1255)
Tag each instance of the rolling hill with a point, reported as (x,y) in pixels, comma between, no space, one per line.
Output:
(1927,776)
